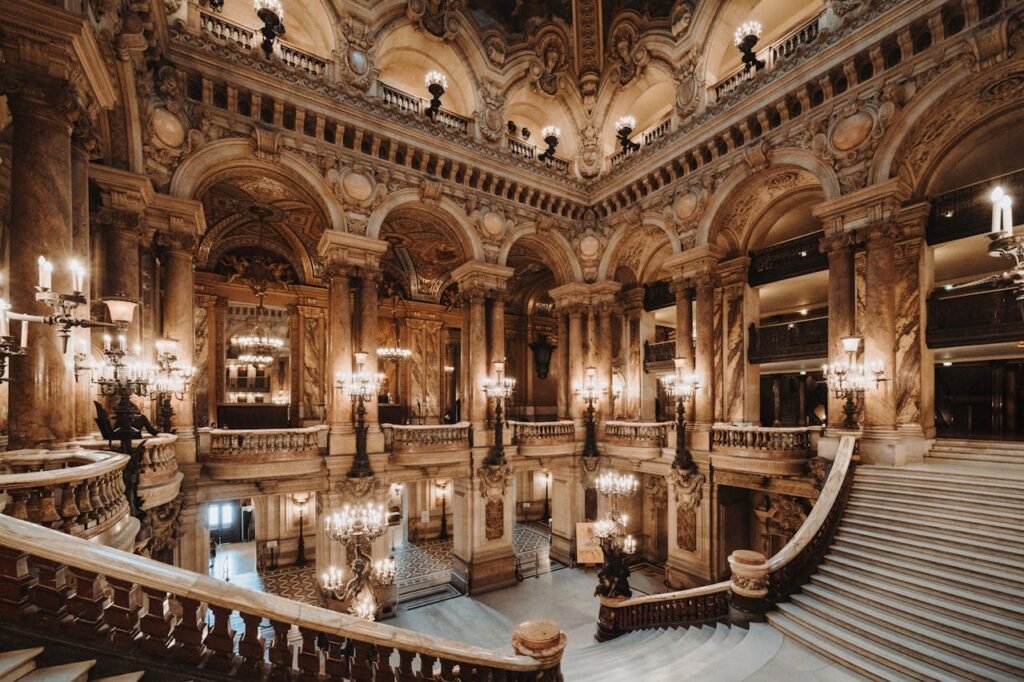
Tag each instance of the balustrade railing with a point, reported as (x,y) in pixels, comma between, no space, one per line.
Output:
(791,258)
(796,440)
(520,148)
(416,105)
(225,30)
(80,492)
(967,210)
(648,136)
(786,571)
(640,434)
(799,340)
(186,621)
(429,438)
(298,59)
(542,433)
(661,351)
(242,444)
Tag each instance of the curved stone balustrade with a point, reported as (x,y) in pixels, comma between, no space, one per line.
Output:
(428,444)
(233,454)
(544,439)
(762,449)
(779,577)
(636,440)
(105,610)
(159,478)
(80,492)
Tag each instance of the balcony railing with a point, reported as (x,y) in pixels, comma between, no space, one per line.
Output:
(80,492)
(967,211)
(403,101)
(647,137)
(787,259)
(429,438)
(238,444)
(763,439)
(638,434)
(225,30)
(542,433)
(773,55)
(660,351)
(298,59)
(974,318)
(188,621)
(798,340)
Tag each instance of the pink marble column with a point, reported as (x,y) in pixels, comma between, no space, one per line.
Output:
(880,325)
(179,323)
(562,366)
(339,345)
(496,330)
(120,232)
(576,359)
(841,306)
(82,144)
(633,390)
(42,414)
(368,336)
(705,363)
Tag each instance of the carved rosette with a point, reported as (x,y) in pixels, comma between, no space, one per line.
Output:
(494,481)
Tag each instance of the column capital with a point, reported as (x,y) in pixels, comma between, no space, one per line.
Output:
(351,249)
(633,299)
(490,278)
(837,242)
(587,295)
(733,272)
(691,261)
(869,206)
(682,286)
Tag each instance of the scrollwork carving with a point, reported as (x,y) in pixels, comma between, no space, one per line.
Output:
(436,17)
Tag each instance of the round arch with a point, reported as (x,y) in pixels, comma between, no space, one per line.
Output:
(563,263)
(611,257)
(446,210)
(219,240)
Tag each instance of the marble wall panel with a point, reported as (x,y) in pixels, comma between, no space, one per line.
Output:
(734,356)
(718,364)
(201,361)
(908,333)
(425,369)
(313,359)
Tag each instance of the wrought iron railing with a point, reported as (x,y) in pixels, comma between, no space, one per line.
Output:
(798,340)
(974,318)
(787,259)
(967,210)
(660,351)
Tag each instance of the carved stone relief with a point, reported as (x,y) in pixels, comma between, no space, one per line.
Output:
(494,480)
(436,17)
(688,486)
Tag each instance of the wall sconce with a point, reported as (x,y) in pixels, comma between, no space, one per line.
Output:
(746,38)
(623,129)
(436,83)
(271,13)
(551,134)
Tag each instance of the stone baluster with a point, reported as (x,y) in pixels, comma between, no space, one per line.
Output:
(281,652)
(190,635)
(157,624)
(221,639)
(251,646)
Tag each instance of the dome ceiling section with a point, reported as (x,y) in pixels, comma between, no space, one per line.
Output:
(531,281)
(423,253)
(517,19)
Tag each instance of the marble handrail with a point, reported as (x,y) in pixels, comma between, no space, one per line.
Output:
(643,434)
(785,571)
(336,645)
(762,438)
(79,491)
(233,443)
(429,437)
(540,433)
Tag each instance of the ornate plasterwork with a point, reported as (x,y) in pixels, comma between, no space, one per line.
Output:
(494,481)
(627,57)
(438,18)
(492,112)
(552,60)
(786,515)
(369,488)
(689,84)
(169,121)
(359,54)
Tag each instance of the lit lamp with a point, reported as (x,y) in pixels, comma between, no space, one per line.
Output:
(547,495)
(746,38)
(436,83)
(591,393)
(300,502)
(271,14)
(551,134)
(623,129)
(682,387)
(849,379)
(1002,216)
(442,492)
(499,388)
(171,381)
(9,346)
(617,545)
(360,387)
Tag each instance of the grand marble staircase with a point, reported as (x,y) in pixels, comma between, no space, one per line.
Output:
(22,665)
(924,579)
(950,450)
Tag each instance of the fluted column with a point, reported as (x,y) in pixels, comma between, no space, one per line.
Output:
(880,324)
(339,346)
(368,336)
(576,359)
(179,323)
(841,305)
(705,365)
(564,396)
(40,224)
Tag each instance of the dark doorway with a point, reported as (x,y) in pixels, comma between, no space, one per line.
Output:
(979,399)
(793,399)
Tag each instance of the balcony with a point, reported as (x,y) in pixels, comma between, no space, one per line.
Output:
(79,492)
(636,440)
(660,351)
(974,318)
(544,439)
(797,340)
(967,211)
(241,454)
(246,38)
(763,450)
(644,139)
(159,478)
(790,258)
(428,445)
(411,104)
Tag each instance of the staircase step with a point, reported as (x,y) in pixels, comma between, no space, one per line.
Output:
(936,517)
(69,672)
(127,677)
(841,654)
(933,526)
(938,490)
(1000,515)
(930,645)
(978,443)
(824,587)
(952,575)
(968,479)
(653,659)
(918,599)
(761,645)
(699,668)
(18,663)
(603,656)
(960,458)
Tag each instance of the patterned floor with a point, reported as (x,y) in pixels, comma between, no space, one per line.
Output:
(419,566)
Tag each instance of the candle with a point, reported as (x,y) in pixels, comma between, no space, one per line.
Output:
(1007,216)
(106,342)
(996,197)
(122,342)
(77,276)
(24,333)
(45,273)
(4,322)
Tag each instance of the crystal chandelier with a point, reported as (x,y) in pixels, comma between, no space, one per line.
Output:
(849,379)
(499,388)
(616,543)
(395,352)
(681,386)
(356,527)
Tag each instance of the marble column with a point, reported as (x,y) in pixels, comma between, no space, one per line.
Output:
(339,350)
(179,323)
(576,359)
(740,379)
(81,338)
(218,347)
(880,325)
(603,356)
(496,330)
(562,365)
(483,522)
(842,306)
(474,358)
(705,365)
(120,232)
(368,337)
(683,290)
(40,224)
(634,344)
(914,374)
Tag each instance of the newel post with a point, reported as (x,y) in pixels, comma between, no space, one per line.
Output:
(543,641)
(748,587)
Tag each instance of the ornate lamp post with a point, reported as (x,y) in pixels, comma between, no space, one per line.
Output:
(547,495)
(171,381)
(356,527)
(499,388)
(300,501)
(591,393)
(682,387)
(442,492)
(849,379)
(551,134)
(617,545)
(271,13)
(436,83)
(624,127)
(360,387)
(746,38)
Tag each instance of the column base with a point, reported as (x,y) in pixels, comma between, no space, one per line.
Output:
(891,447)
(698,436)
(485,572)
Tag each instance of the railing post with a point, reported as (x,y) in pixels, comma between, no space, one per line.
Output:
(87,604)
(50,593)
(749,587)
(122,614)
(15,583)
(543,641)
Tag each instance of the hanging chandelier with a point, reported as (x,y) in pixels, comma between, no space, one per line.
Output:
(395,352)
(258,347)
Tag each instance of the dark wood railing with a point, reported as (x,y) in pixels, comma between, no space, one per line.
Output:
(790,258)
(964,319)
(967,211)
(660,351)
(800,340)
